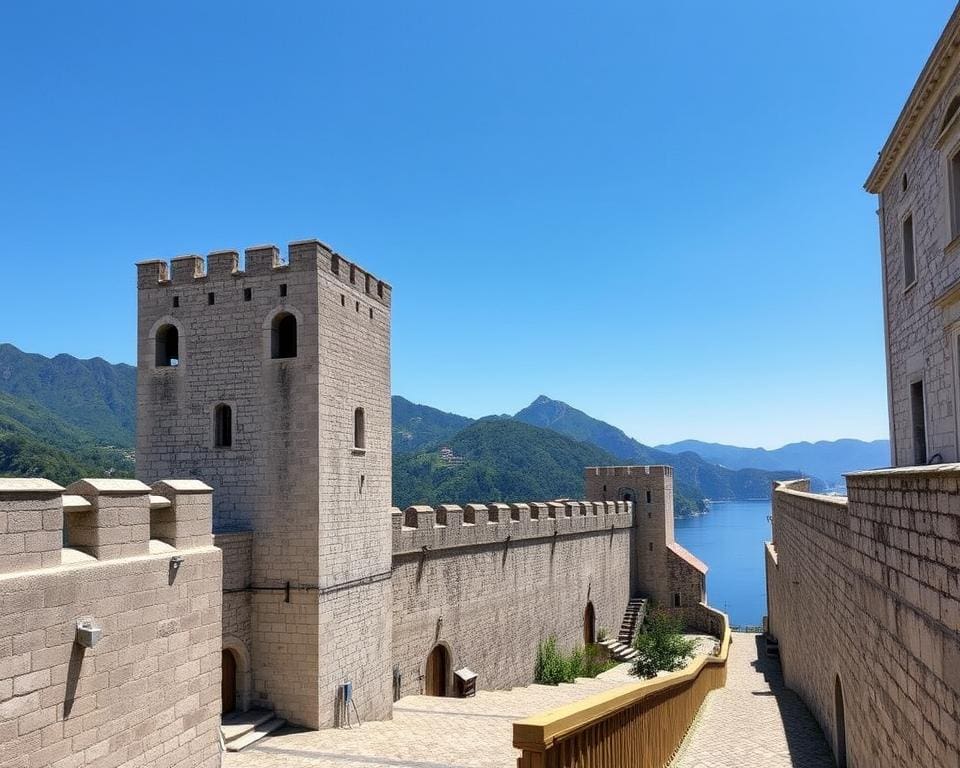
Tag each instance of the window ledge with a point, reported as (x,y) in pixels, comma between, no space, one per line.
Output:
(910,287)
(358,451)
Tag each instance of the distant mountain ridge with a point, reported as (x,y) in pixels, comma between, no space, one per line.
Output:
(828,460)
(93,395)
(694,475)
(63,418)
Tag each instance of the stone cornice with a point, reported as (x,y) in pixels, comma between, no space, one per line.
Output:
(942,62)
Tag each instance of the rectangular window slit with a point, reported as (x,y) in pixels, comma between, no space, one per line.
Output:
(176,301)
(210,298)
(283,289)
(247,294)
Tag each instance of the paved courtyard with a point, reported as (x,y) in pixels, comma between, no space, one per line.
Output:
(426,731)
(754,720)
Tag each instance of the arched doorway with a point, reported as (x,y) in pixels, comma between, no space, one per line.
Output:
(438,667)
(228,682)
(841,725)
(589,625)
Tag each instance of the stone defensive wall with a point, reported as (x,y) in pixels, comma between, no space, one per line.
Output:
(259,261)
(488,582)
(864,598)
(110,626)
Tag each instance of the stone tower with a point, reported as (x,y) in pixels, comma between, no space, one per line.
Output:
(272,384)
(654,552)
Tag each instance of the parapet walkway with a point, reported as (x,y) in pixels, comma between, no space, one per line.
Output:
(754,720)
(426,731)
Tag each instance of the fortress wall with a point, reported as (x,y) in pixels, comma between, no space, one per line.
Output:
(237,549)
(491,589)
(147,694)
(867,590)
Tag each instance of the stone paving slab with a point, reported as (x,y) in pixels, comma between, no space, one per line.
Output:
(754,720)
(426,731)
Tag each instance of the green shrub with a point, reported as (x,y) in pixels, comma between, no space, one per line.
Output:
(661,645)
(553,666)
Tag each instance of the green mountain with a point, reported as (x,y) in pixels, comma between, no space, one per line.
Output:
(694,476)
(417,426)
(501,459)
(35,442)
(93,395)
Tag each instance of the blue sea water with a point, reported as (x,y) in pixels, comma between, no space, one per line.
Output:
(729,538)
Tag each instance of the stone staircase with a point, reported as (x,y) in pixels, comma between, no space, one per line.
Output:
(621,649)
(241,729)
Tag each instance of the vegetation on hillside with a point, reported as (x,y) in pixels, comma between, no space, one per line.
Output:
(503,460)
(416,427)
(95,396)
(34,442)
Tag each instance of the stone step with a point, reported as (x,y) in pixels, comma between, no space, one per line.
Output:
(238,724)
(254,735)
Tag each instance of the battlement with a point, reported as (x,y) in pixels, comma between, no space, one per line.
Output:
(647,470)
(261,260)
(422,528)
(44,525)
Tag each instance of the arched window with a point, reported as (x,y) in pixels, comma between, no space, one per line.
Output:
(223,426)
(359,429)
(283,336)
(168,346)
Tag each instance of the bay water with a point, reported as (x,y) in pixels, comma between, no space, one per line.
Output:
(729,538)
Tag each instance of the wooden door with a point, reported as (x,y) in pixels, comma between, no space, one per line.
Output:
(436,677)
(589,626)
(228,683)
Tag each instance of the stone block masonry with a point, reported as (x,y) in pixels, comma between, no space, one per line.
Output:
(147,694)
(488,582)
(272,383)
(864,598)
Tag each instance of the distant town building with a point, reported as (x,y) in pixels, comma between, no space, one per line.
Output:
(917,180)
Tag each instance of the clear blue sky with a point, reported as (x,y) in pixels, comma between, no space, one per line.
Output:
(652,211)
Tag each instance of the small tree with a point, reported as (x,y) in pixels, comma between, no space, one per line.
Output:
(661,645)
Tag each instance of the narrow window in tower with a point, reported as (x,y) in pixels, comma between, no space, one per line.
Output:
(176,302)
(359,429)
(649,497)
(371,313)
(283,336)
(676,600)
(909,261)
(211,298)
(247,294)
(358,306)
(343,300)
(223,426)
(283,289)
(168,347)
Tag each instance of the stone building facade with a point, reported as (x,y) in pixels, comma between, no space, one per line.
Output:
(864,598)
(917,181)
(138,563)
(271,382)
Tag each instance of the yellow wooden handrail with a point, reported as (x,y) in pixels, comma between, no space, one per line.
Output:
(603,729)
